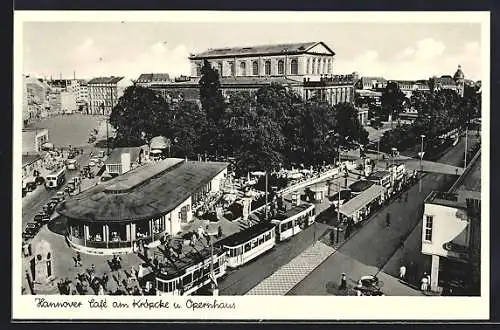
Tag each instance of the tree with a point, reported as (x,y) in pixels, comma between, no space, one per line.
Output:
(139,115)
(189,130)
(392,99)
(348,126)
(214,105)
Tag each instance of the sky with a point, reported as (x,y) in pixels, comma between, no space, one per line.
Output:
(391,50)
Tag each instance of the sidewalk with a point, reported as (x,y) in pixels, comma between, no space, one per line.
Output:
(282,281)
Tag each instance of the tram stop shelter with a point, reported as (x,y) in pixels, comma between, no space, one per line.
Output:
(359,207)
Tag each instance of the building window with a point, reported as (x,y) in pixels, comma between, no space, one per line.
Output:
(220,69)
(308,66)
(267,68)
(255,68)
(243,68)
(232,66)
(329,66)
(428,228)
(281,67)
(294,67)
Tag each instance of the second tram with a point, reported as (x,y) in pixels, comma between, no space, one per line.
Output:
(293,221)
(182,277)
(248,244)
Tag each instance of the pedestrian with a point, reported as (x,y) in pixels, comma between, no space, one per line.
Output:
(406,197)
(359,288)
(388,220)
(343,282)
(402,272)
(79,258)
(429,282)
(424,282)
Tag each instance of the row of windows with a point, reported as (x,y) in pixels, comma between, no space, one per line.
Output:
(294,68)
(190,279)
(318,66)
(297,221)
(251,245)
(428,228)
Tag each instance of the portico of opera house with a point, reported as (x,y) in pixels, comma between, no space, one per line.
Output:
(144,204)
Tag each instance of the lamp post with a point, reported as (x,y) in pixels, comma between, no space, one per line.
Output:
(421,157)
(211,234)
(338,209)
(465,156)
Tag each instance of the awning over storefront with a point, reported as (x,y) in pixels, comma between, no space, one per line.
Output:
(361,200)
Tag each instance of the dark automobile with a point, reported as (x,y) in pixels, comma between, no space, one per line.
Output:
(31,229)
(24,192)
(30,186)
(48,208)
(369,285)
(39,180)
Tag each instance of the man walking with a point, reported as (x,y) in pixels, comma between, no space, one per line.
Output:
(402,272)
(343,282)
(388,220)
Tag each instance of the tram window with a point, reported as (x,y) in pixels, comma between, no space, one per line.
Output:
(168,287)
(159,286)
(268,235)
(261,240)
(216,264)
(247,247)
(240,250)
(196,274)
(254,243)
(187,279)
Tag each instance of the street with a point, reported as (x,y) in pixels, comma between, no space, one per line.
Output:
(366,252)
(33,202)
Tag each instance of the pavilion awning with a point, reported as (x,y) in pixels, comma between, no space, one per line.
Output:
(361,200)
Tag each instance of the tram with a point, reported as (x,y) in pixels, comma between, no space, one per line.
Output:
(248,244)
(293,221)
(182,277)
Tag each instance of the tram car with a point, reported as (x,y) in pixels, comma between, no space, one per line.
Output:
(248,244)
(292,221)
(182,277)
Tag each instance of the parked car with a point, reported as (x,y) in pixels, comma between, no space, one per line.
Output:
(39,180)
(369,285)
(41,217)
(71,164)
(31,230)
(30,186)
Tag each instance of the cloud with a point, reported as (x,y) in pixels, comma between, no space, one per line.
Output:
(158,57)
(428,49)
(421,60)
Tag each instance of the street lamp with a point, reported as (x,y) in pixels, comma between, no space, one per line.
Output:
(421,157)
(465,157)
(338,209)
(211,232)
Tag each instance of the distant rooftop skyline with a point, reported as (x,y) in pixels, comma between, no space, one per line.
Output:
(403,51)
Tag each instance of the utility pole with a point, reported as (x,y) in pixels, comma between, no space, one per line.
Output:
(421,156)
(266,199)
(466,133)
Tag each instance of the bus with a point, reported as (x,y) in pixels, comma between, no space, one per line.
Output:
(56,179)
(293,220)
(248,244)
(182,277)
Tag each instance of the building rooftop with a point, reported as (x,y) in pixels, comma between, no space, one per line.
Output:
(29,159)
(148,191)
(378,175)
(153,77)
(105,80)
(359,186)
(116,154)
(467,186)
(276,49)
